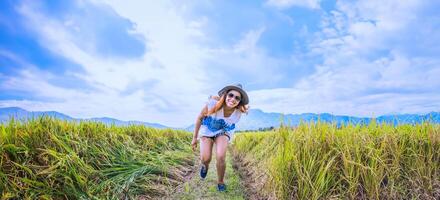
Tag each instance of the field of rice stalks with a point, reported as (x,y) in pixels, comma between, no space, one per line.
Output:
(324,161)
(45,158)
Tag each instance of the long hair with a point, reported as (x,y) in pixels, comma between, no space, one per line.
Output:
(220,103)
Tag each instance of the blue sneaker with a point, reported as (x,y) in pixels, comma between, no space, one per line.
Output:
(203,171)
(221,187)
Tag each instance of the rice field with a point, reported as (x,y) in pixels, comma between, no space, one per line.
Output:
(45,158)
(324,161)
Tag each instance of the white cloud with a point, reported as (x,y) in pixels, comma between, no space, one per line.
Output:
(368,68)
(283,4)
(176,67)
(245,61)
(173,59)
(249,42)
(77,103)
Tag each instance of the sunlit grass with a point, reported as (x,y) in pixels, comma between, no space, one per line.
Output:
(44,158)
(322,161)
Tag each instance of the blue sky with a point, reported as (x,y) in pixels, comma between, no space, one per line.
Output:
(158,61)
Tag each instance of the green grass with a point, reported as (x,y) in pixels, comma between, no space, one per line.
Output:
(321,161)
(44,158)
(197,188)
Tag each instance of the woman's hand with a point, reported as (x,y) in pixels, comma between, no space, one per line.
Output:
(194,144)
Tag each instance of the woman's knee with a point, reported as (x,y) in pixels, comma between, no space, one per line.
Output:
(206,149)
(205,155)
(205,158)
(221,159)
(222,145)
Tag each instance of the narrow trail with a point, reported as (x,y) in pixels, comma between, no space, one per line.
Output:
(197,188)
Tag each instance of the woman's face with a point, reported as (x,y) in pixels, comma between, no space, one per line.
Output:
(233,98)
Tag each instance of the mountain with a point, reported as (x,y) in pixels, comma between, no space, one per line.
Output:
(257,119)
(19,113)
(107,120)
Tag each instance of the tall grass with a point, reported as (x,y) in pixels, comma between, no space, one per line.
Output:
(44,158)
(322,161)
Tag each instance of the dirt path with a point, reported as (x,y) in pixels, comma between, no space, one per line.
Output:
(197,188)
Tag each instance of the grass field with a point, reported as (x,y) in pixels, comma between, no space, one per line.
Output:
(206,189)
(46,158)
(323,161)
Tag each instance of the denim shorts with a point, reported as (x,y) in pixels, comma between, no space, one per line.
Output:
(218,135)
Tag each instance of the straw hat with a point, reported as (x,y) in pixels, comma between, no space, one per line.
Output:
(239,88)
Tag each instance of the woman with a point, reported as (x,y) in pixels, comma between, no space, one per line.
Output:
(216,123)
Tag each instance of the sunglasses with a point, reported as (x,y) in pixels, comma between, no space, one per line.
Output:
(238,98)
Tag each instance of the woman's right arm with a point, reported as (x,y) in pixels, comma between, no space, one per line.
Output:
(197,127)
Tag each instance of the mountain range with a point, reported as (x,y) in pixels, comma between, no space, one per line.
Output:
(258,118)
(254,120)
(19,113)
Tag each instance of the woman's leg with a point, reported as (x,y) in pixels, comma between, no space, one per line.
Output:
(206,150)
(221,144)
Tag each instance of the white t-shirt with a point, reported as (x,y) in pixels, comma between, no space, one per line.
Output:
(216,123)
